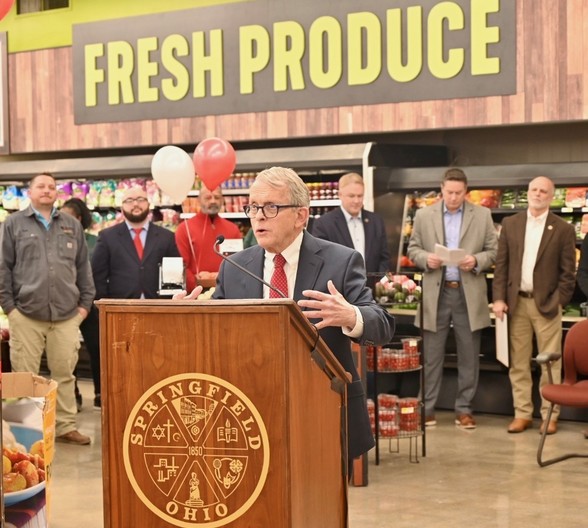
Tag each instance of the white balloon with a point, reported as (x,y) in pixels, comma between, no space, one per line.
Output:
(173,171)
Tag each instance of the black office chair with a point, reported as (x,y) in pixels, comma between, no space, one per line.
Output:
(573,390)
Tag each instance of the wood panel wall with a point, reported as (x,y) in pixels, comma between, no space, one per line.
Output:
(552,86)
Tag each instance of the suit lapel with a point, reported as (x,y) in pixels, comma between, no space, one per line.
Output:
(520,228)
(548,234)
(309,266)
(341,226)
(368,229)
(252,289)
(150,241)
(438,222)
(468,215)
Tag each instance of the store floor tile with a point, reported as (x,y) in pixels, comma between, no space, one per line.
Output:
(482,478)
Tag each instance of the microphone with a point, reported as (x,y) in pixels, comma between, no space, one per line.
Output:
(219,240)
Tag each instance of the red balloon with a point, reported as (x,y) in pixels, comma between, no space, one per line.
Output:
(214,161)
(5,6)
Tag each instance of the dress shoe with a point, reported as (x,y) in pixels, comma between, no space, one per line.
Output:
(430,420)
(465,421)
(74,437)
(518,425)
(551,427)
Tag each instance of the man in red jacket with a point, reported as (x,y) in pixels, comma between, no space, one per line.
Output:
(196,236)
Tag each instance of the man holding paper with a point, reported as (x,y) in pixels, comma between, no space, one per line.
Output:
(453,242)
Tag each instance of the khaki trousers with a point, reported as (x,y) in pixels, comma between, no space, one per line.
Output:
(61,341)
(525,321)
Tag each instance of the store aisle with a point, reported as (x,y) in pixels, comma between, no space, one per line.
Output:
(482,478)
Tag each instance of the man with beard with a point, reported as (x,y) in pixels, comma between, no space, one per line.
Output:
(196,236)
(126,259)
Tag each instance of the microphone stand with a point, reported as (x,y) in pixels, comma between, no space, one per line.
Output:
(219,240)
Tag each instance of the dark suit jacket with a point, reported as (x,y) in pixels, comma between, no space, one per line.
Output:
(583,267)
(333,226)
(319,262)
(554,274)
(118,273)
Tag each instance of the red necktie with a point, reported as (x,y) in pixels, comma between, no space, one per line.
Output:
(137,241)
(279,279)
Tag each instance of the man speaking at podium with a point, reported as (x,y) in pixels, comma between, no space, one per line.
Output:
(326,279)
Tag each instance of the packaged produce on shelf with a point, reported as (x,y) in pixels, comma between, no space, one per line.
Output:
(578,228)
(572,310)
(398,289)
(153,193)
(14,198)
(508,199)
(427,198)
(568,218)
(387,415)
(522,200)
(387,401)
(409,414)
(485,197)
(191,204)
(63,192)
(242,180)
(388,422)
(559,198)
(107,191)
(80,190)
(170,218)
(407,228)
(576,196)
(410,345)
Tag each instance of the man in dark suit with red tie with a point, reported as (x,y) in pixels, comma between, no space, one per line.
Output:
(327,280)
(352,226)
(126,260)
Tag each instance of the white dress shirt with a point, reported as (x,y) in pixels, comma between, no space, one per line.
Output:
(533,234)
(356,230)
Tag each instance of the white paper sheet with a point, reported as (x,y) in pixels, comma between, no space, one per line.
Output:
(450,257)
(502,340)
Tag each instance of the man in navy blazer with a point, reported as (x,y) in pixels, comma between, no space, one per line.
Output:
(352,226)
(327,280)
(119,272)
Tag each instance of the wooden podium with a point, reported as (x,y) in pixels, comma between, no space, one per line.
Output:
(215,414)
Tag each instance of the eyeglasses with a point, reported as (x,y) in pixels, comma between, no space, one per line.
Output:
(130,201)
(268,210)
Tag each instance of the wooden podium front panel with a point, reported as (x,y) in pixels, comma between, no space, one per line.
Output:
(316,454)
(253,350)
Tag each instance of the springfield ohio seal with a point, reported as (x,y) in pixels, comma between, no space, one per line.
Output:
(204,446)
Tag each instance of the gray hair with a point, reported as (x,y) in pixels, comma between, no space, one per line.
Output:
(283,177)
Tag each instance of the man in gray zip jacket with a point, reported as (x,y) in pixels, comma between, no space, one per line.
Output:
(46,288)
